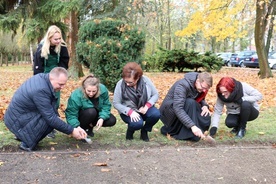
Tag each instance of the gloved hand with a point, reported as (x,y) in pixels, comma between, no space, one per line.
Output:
(213,131)
(134,116)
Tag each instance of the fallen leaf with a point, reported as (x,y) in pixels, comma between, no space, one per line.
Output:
(76,155)
(105,170)
(53,143)
(100,164)
(261,133)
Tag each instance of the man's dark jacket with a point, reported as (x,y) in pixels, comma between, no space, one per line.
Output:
(31,114)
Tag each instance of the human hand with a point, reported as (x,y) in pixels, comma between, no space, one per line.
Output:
(99,124)
(134,116)
(143,110)
(205,111)
(197,132)
(79,133)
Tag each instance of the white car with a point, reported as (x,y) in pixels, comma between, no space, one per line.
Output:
(272,61)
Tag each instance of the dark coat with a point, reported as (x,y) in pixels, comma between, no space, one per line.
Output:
(39,62)
(32,114)
(172,107)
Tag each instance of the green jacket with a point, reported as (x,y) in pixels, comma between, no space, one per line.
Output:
(78,101)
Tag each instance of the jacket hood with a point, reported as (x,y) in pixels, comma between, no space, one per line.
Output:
(191,78)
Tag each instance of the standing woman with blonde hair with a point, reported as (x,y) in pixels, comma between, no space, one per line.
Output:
(51,52)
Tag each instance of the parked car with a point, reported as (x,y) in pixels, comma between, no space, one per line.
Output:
(253,62)
(238,60)
(226,57)
(272,61)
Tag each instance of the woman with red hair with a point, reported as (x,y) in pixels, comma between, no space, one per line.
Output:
(241,104)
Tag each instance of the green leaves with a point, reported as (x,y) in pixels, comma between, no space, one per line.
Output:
(106,46)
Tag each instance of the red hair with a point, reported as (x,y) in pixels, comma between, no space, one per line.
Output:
(132,69)
(226,82)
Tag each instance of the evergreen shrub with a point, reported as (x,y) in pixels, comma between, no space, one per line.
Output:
(105,46)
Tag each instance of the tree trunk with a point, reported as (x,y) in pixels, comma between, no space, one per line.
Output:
(169,25)
(260,27)
(1,59)
(272,12)
(75,68)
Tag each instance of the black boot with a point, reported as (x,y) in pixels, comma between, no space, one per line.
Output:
(241,133)
(144,135)
(129,134)
(90,132)
(234,130)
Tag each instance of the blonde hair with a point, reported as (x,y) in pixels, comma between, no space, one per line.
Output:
(91,80)
(45,50)
(206,77)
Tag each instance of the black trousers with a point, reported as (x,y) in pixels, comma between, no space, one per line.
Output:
(91,116)
(179,131)
(247,113)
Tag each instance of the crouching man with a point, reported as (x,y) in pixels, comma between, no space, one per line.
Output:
(32,112)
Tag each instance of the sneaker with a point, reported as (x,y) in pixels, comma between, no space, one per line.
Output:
(52,134)
(234,130)
(24,147)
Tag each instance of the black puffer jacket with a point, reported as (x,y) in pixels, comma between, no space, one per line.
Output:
(172,107)
(32,111)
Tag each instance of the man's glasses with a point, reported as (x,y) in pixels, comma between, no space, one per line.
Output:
(202,87)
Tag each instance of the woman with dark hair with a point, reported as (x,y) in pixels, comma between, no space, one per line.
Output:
(134,98)
(241,104)
(89,106)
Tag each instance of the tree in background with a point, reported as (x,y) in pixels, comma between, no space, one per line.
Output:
(218,20)
(105,46)
(34,17)
(265,12)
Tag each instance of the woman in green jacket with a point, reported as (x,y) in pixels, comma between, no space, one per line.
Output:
(89,106)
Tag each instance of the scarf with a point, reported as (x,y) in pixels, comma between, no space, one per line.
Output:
(201,96)
(135,98)
(236,94)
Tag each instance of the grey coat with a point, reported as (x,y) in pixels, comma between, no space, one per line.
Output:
(122,105)
(32,111)
(172,107)
(250,94)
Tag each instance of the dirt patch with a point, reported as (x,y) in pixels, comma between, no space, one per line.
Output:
(165,164)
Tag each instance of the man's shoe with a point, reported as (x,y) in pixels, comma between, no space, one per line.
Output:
(241,133)
(52,134)
(16,138)
(24,147)
(234,130)
(129,134)
(144,135)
